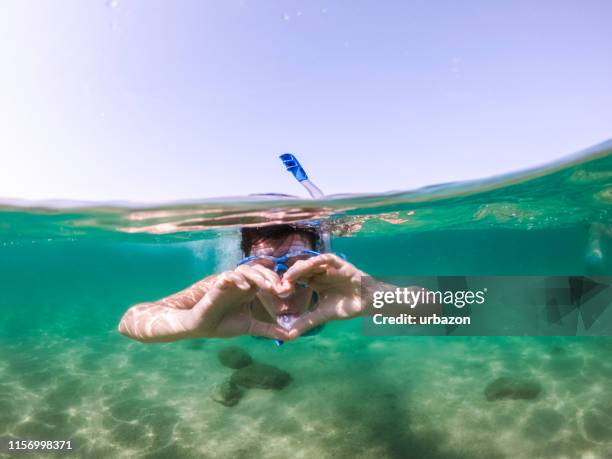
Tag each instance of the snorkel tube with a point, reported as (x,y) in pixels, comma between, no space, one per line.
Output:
(293,165)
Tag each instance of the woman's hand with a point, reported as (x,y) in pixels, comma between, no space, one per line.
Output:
(224,310)
(338,284)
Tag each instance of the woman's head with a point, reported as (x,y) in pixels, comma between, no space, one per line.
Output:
(277,241)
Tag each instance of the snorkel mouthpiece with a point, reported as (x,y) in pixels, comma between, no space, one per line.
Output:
(287,320)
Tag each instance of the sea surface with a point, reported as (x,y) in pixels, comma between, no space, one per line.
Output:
(68,271)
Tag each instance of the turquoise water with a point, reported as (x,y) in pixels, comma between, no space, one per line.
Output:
(68,272)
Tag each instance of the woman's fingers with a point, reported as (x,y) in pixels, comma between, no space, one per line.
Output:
(307,322)
(259,277)
(232,289)
(268,330)
(229,279)
(242,323)
(267,274)
(305,269)
(239,280)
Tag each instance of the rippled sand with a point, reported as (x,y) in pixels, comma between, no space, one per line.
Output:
(351,397)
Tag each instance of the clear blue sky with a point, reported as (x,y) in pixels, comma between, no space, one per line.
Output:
(155,101)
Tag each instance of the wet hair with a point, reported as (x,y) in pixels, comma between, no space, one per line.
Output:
(252,235)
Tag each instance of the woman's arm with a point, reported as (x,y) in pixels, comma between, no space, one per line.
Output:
(213,307)
(153,322)
(168,319)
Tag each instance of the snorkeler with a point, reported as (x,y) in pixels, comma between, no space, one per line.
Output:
(254,299)
(288,284)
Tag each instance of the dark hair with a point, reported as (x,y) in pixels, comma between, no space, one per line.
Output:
(253,235)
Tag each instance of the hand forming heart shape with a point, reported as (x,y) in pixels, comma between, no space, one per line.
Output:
(222,311)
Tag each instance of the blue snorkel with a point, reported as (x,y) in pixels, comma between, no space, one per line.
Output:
(293,165)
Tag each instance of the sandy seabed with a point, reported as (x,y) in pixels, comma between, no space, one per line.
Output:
(351,396)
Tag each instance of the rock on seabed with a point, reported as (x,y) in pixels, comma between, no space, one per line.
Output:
(261,376)
(234,357)
(227,393)
(512,388)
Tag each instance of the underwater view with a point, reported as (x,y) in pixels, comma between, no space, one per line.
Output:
(69,271)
